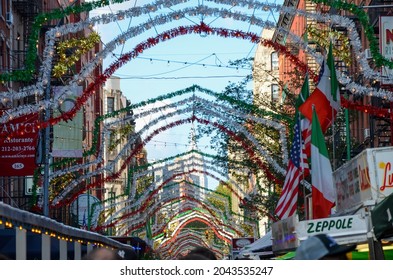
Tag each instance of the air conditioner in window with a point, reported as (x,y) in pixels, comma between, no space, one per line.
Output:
(9,18)
(367,54)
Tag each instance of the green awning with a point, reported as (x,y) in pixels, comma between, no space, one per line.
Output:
(382,218)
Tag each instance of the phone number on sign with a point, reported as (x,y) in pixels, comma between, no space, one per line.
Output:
(17,148)
(243,270)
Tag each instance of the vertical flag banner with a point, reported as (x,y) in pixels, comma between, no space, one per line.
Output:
(326,96)
(287,204)
(68,135)
(298,162)
(305,128)
(323,191)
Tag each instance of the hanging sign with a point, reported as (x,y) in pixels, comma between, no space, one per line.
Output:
(18,145)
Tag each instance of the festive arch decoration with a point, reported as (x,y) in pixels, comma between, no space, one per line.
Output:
(154,206)
(193,104)
(188,221)
(185,241)
(335,19)
(178,111)
(85,7)
(253,156)
(140,48)
(141,207)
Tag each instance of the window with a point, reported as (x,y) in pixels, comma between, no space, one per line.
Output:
(275,92)
(274,61)
(110,104)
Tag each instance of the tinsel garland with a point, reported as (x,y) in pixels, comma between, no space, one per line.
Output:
(185,242)
(219,223)
(221,229)
(368,28)
(183,211)
(322,38)
(137,205)
(213,227)
(150,191)
(78,46)
(140,205)
(186,162)
(57,14)
(167,242)
(358,88)
(178,112)
(232,135)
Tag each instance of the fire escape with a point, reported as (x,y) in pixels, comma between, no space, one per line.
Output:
(27,10)
(381,126)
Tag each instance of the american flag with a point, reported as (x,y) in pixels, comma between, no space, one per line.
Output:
(306,145)
(287,203)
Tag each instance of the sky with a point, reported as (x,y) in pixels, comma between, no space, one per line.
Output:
(178,63)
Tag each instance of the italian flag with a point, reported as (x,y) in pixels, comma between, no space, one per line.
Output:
(323,191)
(326,96)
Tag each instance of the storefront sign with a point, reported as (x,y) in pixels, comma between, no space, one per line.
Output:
(367,177)
(384,173)
(18,145)
(352,182)
(337,226)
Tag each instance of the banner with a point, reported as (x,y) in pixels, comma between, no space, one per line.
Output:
(68,135)
(17,153)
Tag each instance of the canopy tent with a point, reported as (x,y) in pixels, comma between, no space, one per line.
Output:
(33,246)
(261,248)
(382,219)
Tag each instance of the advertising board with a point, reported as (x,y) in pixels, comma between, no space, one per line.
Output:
(18,145)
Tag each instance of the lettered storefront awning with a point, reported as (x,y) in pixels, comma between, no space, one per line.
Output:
(344,229)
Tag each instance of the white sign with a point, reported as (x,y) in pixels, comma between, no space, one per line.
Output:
(352,227)
(367,177)
(384,173)
(353,184)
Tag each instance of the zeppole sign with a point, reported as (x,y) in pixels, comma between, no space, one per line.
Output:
(353,226)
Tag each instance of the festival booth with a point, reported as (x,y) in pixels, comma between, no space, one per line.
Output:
(287,234)
(364,204)
(259,250)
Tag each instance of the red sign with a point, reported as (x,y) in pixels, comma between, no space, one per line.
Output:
(18,145)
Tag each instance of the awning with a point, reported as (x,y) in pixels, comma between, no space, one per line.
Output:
(381,217)
(263,244)
(33,246)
